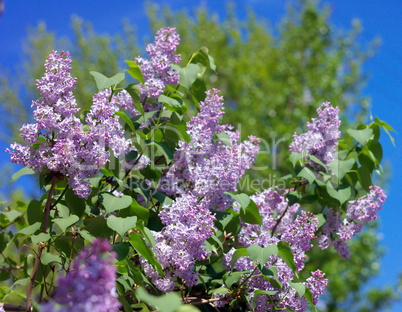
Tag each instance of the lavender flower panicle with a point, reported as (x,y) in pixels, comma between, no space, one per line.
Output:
(203,170)
(298,231)
(90,285)
(60,142)
(338,229)
(322,138)
(157,71)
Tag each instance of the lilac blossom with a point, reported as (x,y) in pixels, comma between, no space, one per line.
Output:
(298,231)
(188,223)
(157,70)
(59,141)
(207,165)
(203,170)
(338,229)
(90,285)
(321,140)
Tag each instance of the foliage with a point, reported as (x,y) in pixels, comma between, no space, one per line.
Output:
(166,200)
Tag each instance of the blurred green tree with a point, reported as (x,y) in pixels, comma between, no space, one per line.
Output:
(272,83)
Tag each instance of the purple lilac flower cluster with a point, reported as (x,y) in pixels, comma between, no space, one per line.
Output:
(208,166)
(59,141)
(338,229)
(90,285)
(298,231)
(322,138)
(188,223)
(203,170)
(157,71)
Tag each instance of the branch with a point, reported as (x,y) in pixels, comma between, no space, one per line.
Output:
(48,208)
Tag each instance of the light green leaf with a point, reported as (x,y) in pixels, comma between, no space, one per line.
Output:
(362,136)
(21,172)
(121,225)
(114,203)
(233,277)
(134,91)
(169,302)
(261,254)
(135,71)
(341,167)
(173,103)
(249,210)
(307,174)
(48,257)
(241,252)
(223,137)
(187,74)
(64,223)
(103,82)
(139,245)
(29,230)
(342,194)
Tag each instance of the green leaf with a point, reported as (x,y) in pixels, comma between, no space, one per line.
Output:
(121,225)
(139,211)
(135,71)
(29,230)
(307,174)
(134,91)
(233,277)
(249,210)
(48,257)
(97,227)
(223,137)
(114,203)
(362,136)
(139,245)
(261,254)
(41,237)
(285,253)
(364,176)
(103,82)
(163,148)
(21,172)
(241,252)
(386,127)
(173,103)
(64,223)
(341,167)
(295,157)
(122,250)
(126,119)
(35,212)
(317,161)
(169,302)
(86,235)
(342,193)
(300,288)
(309,298)
(188,74)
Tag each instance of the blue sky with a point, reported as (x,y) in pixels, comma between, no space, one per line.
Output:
(379,19)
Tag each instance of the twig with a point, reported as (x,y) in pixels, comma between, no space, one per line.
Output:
(12,268)
(48,208)
(9,307)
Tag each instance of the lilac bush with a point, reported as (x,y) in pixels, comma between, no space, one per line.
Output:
(161,189)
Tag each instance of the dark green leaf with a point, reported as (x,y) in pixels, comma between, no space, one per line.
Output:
(128,121)
(121,249)
(285,253)
(134,91)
